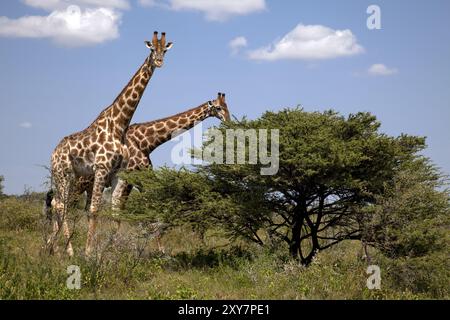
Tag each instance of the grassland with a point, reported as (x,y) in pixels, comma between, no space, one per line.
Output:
(129,266)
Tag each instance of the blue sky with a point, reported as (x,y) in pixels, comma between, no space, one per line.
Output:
(57,75)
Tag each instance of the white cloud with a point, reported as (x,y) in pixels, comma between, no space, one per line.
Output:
(44,4)
(379,69)
(310,42)
(148,3)
(51,5)
(236,44)
(69,25)
(25,125)
(217,10)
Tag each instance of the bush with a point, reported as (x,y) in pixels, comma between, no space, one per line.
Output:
(428,275)
(16,214)
(22,277)
(411,217)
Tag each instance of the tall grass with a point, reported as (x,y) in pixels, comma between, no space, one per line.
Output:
(129,266)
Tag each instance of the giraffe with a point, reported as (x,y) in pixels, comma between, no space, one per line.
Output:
(142,138)
(92,156)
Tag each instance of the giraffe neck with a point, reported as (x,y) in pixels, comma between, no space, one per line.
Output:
(118,115)
(160,131)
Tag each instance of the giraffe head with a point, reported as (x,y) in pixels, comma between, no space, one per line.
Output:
(218,108)
(158,49)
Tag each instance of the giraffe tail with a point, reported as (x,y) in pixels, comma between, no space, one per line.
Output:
(48,205)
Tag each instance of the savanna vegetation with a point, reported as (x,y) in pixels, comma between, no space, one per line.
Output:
(345,196)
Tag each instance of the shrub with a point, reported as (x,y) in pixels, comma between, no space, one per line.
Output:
(16,214)
(428,274)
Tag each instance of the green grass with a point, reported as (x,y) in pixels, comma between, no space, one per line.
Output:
(130,267)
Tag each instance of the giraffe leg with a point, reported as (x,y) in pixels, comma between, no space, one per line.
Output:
(62,202)
(97,193)
(50,243)
(53,245)
(68,235)
(88,198)
(58,209)
(58,222)
(158,241)
(119,197)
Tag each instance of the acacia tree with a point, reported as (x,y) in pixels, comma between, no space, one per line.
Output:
(331,170)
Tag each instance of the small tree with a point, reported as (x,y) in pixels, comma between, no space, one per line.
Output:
(411,218)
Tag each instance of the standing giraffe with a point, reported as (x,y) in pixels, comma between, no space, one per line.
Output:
(96,153)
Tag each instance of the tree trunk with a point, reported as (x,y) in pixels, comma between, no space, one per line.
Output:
(314,250)
(294,246)
(314,227)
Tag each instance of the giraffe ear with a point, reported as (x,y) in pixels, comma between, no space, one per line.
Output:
(169,45)
(149,44)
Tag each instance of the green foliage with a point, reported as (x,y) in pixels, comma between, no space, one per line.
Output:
(2,179)
(411,218)
(17,214)
(192,269)
(23,277)
(428,274)
(183,198)
(212,258)
(331,170)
